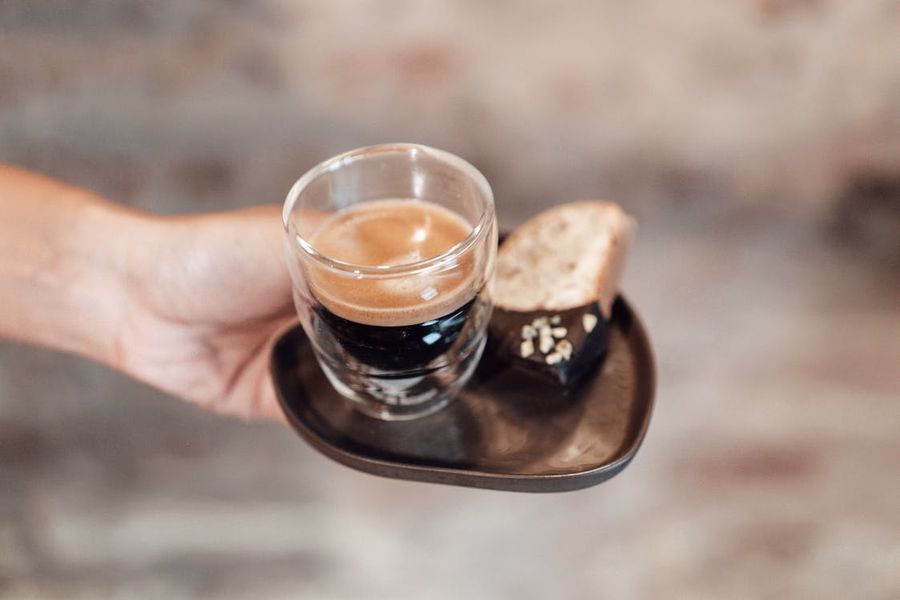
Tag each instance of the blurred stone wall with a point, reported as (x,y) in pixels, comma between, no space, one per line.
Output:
(198,105)
(734,129)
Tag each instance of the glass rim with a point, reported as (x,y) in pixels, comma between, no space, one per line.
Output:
(348,158)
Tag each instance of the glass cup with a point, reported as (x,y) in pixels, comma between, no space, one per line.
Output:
(397,320)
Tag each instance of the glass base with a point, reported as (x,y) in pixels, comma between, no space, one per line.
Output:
(405,399)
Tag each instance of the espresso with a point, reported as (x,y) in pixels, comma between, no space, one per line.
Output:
(399,323)
(405,349)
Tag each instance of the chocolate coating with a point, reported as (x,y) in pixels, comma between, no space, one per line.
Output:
(587,348)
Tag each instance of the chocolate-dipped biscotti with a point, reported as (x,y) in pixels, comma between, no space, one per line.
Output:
(556,280)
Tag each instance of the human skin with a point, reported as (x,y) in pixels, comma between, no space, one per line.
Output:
(189,304)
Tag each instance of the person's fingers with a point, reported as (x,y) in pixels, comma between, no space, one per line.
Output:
(269,409)
(251,396)
(264,402)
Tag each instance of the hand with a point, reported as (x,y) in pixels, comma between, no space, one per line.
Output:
(190,305)
(207,296)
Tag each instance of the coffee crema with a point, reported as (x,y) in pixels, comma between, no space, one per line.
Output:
(387,233)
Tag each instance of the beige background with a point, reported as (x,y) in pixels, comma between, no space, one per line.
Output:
(757,141)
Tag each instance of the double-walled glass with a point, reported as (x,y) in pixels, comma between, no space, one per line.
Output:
(400,339)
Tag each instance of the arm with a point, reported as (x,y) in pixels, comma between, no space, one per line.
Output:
(64,263)
(190,305)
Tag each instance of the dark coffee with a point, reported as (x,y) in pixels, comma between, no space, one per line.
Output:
(400,324)
(407,349)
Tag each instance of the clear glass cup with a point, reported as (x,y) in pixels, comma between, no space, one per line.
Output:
(402,338)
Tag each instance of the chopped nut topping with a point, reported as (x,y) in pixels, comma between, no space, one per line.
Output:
(564,347)
(546,344)
(554,358)
(560,332)
(540,322)
(589,321)
(555,319)
(528,332)
(527,348)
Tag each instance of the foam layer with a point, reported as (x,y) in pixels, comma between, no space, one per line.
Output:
(390,233)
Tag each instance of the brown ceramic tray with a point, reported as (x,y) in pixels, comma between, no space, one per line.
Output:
(506,431)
